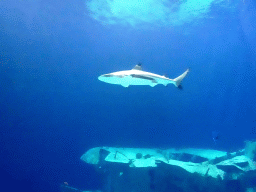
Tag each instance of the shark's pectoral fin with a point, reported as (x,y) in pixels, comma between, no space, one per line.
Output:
(153,83)
(125,84)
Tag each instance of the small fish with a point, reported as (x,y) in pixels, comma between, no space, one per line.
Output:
(215,136)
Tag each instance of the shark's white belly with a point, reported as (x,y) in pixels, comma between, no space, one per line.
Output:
(126,81)
(129,80)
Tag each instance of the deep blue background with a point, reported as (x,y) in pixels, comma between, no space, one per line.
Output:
(53,108)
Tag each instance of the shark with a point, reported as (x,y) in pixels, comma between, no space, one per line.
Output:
(137,76)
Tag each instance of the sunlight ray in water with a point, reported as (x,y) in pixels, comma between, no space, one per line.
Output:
(159,12)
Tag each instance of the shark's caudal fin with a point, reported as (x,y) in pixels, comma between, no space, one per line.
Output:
(180,78)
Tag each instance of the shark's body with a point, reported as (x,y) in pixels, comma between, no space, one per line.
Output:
(138,77)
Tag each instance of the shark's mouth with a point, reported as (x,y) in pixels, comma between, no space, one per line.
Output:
(108,75)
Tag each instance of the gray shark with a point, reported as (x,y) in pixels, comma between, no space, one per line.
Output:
(137,76)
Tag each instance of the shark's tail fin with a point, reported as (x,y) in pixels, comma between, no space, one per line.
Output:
(180,78)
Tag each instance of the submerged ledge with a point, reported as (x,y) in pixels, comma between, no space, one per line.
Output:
(188,169)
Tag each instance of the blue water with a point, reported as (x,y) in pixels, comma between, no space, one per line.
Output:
(53,108)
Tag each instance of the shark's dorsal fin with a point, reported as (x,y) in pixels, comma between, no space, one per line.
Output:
(138,67)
